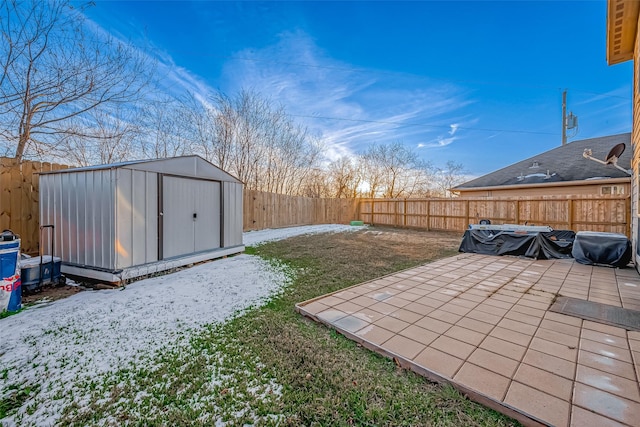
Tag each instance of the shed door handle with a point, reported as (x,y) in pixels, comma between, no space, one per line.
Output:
(195,215)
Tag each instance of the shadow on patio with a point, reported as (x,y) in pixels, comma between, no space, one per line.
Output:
(482,323)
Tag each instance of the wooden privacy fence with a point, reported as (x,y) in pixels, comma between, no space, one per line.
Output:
(19,209)
(269,210)
(578,213)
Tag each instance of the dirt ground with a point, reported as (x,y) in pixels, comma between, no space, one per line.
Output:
(415,239)
(50,293)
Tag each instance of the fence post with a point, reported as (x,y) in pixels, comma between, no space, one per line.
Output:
(428,217)
(466,215)
(570,212)
(372,210)
(517,213)
(395,212)
(404,212)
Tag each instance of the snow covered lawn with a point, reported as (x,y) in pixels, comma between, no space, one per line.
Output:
(50,353)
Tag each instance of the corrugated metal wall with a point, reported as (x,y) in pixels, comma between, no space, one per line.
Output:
(136,234)
(81,207)
(232,214)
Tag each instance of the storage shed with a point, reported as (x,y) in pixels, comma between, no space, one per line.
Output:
(120,221)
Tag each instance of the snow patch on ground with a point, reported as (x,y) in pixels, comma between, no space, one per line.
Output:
(253,238)
(91,333)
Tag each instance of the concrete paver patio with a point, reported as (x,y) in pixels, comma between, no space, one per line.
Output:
(482,324)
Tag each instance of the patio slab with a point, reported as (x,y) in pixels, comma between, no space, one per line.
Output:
(481,323)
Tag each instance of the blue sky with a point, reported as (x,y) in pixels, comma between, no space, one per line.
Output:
(476,82)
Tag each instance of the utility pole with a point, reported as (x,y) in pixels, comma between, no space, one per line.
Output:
(564,117)
(568,122)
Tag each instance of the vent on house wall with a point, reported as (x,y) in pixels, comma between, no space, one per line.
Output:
(612,189)
(617,31)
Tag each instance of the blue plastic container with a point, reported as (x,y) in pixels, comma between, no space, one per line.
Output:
(34,275)
(10,284)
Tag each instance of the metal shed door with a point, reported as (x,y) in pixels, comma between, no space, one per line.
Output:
(191,216)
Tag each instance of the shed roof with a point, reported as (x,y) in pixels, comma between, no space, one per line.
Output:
(561,164)
(188,166)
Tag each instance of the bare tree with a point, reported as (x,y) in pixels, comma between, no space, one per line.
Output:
(248,138)
(296,154)
(119,133)
(55,75)
(215,125)
(448,177)
(255,140)
(345,177)
(168,126)
(393,171)
(372,173)
(316,184)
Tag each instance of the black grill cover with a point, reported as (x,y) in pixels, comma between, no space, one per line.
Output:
(592,247)
(539,245)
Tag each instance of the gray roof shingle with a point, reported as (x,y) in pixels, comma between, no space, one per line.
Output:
(564,163)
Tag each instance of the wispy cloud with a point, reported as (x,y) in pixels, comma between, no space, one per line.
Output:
(172,79)
(439,141)
(348,107)
(443,139)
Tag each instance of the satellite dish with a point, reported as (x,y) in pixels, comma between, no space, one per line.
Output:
(611,159)
(614,154)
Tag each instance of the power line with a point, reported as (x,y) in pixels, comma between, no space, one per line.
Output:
(422,125)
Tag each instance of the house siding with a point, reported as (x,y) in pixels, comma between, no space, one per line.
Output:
(577,190)
(635,140)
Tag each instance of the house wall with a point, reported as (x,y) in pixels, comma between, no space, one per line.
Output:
(580,190)
(635,140)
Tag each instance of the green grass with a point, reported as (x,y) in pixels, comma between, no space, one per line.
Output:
(15,398)
(271,366)
(5,313)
